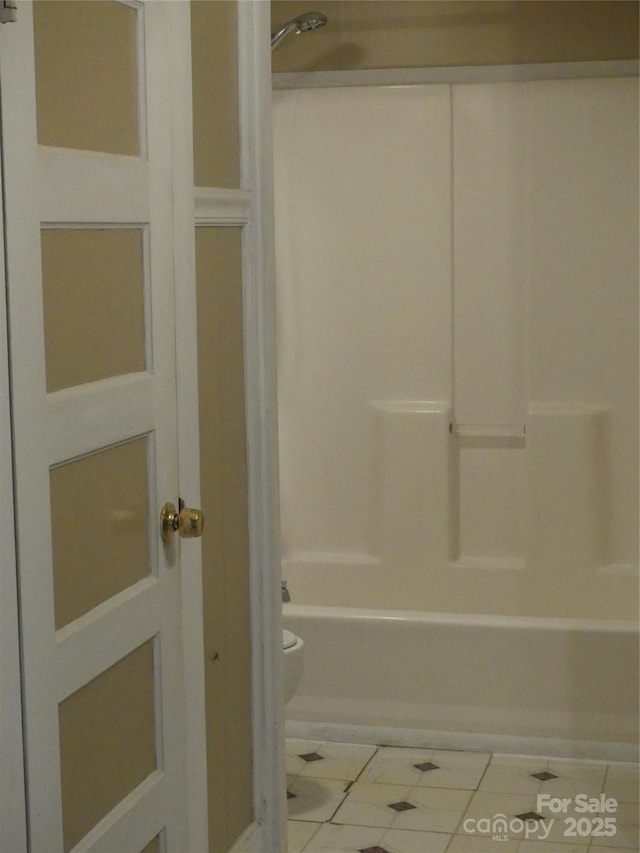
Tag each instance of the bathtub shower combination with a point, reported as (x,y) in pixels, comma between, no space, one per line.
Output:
(458,375)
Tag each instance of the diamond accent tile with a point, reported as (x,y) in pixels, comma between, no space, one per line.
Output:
(530,816)
(311,756)
(290,796)
(373,850)
(544,775)
(425,766)
(401,807)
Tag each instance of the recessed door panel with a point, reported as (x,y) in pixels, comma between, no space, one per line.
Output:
(99,527)
(93,286)
(86,63)
(107,741)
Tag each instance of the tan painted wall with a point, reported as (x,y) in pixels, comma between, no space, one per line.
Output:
(215,93)
(422,33)
(222,430)
(225,546)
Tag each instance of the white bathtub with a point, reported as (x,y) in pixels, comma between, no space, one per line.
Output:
(547,686)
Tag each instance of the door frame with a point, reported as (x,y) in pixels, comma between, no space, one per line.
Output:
(256,168)
(251,208)
(13,818)
(188,425)
(255,203)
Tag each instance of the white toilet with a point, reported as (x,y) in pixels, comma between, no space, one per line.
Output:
(293,649)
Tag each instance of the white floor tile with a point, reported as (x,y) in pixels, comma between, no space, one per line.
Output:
(467,780)
(441,798)
(314,799)
(486,804)
(558,834)
(337,761)
(331,839)
(570,768)
(569,787)
(510,829)
(367,804)
(405,841)
(480,844)
(395,766)
(626,838)
(347,839)
(455,770)
(295,747)
(324,818)
(433,809)
(429,820)
(504,781)
(627,814)
(624,772)
(599,849)
(546,847)
(623,790)
(299,833)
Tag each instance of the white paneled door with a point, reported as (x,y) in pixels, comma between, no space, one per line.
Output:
(91,241)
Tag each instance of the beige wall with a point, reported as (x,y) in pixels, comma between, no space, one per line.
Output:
(397,34)
(222,431)
(225,546)
(214,47)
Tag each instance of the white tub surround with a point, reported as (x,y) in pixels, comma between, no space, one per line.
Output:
(457,274)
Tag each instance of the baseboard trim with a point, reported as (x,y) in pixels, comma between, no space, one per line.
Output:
(512,744)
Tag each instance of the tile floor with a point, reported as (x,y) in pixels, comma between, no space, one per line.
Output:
(379,799)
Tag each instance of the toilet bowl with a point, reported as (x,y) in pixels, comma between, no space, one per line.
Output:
(293,649)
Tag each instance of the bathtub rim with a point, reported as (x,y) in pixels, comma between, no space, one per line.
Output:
(546,623)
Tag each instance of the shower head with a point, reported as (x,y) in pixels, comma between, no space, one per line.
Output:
(301,24)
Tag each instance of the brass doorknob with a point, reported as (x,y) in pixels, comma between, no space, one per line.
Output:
(188,523)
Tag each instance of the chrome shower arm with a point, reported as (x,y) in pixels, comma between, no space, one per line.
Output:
(302,24)
(282,33)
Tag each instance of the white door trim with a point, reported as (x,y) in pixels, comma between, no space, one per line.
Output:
(13,831)
(254,29)
(251,207)
(188,425)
